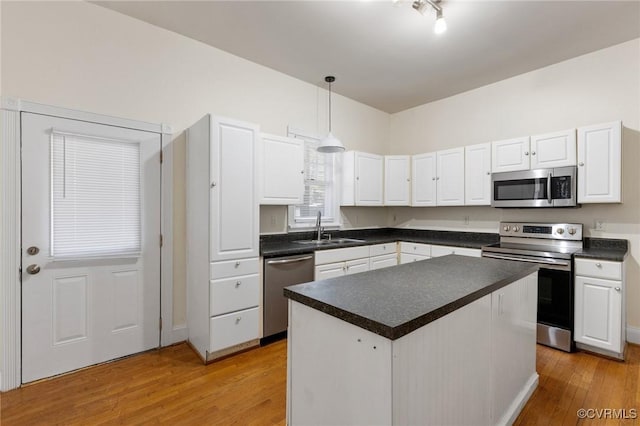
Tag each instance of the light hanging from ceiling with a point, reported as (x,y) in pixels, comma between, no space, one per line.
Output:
(422,6)
(330,144)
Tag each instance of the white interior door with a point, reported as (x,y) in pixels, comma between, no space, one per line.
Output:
(90,243)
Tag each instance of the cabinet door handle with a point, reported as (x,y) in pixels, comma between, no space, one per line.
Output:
(238,320)
(433,178)
(598,265)
(237,264)
(618,289)
(238,283)
(526,153)
(213,184)
(533,153)
(581,164)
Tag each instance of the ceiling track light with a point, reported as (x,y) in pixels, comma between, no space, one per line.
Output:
(422,7)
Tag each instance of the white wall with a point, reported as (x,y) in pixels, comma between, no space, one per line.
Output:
(598,87)
(93,59)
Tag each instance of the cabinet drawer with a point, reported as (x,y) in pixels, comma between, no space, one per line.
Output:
(408,258)
(232,329)
(437,251)
(231,268)
(415,248)
(380,249)
(341,255)
(233,294)
(379,262)
(599,269)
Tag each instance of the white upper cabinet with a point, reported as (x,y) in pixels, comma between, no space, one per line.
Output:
(397,180)
(477,175)
(282,170)
(437,178)
(450,177)
(556,149)
(510,155)
(234,214)
(600,163)
(362,179)
(423,180)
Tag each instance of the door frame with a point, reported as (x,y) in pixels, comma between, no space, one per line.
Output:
(10,228)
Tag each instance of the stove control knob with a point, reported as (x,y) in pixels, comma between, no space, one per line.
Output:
(506,228)
(560,231)
(572,231)
(516,228)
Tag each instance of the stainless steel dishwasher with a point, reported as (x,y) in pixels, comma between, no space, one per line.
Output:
(280,272)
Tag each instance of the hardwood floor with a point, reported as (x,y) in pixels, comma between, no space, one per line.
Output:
(171,386)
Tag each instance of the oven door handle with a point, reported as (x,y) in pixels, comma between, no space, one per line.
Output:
(548,263)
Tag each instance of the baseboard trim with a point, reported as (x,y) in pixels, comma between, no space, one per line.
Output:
(633,335)
(519,402)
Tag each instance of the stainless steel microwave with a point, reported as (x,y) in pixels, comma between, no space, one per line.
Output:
(534,188)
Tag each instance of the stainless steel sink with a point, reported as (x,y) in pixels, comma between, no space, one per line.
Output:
(328,242)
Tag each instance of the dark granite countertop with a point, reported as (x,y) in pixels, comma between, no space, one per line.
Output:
(395,301)
(283,244)
(604,249)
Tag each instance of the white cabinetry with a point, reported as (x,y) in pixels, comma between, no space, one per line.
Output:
(339,262)
(510,155)
(413,252)
(362,175)
(423,180)
(477,175)
(438,178)
(383,255)
(557,149)
(223,285)
(600,163)
(437,251)
(599,306)
(282,170)
(397,180)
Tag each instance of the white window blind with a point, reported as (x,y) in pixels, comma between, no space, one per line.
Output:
(320,189)
(95,197)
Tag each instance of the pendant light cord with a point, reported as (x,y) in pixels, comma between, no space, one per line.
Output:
(329,79)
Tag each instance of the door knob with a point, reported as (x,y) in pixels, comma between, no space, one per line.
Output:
(33,269)
(33,250)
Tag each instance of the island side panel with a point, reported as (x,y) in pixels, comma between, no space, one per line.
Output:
(514,377)
(339,374)
(441,371)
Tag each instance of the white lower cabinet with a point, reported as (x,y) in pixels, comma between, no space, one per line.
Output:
(437,251)
(233,329)
(339,262)
(384,261)
(408,258)
(413,252)
(599,306)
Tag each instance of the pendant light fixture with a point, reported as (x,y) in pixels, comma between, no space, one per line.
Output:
(330,144)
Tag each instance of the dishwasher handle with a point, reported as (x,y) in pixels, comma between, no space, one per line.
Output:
(280,262)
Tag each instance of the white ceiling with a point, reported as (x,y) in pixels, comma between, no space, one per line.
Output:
(386,55)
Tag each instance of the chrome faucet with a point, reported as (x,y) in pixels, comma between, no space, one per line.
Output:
(318,227)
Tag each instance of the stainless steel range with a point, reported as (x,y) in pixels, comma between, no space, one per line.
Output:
(552,247)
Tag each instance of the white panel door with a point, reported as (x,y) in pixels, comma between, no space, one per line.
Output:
(234,201)
(423,180)
(477,175)
(397,180)
(369,179)
(510,155)
(78,310)
(600,163)
(450,177)
(282,170)
(556,149)
(598,313)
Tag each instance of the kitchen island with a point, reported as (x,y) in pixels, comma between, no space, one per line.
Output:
(450,340)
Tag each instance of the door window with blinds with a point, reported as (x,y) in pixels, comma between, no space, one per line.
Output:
(321,189)
(95,197)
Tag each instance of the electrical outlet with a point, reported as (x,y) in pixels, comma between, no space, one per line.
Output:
(599,225)
(466,220)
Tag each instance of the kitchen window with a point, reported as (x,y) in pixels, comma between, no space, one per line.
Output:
(321,188)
